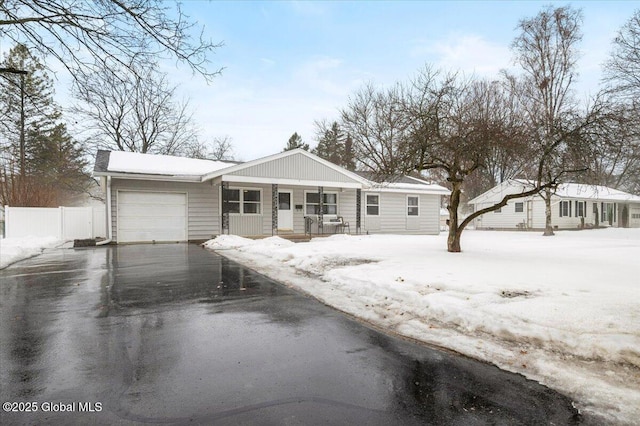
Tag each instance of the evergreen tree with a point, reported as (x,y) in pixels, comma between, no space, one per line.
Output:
(295,141)
(53,162)
(349,158)
(332,145)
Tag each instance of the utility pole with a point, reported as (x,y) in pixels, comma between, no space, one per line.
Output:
(22,73)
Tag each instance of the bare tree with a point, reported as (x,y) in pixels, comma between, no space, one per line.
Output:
(220,149)
(546,50)
(622,70)
(81,35)
(442,124)
(620,146)
(378,126)
(134,111)
(458,126)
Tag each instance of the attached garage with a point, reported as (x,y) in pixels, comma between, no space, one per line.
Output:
(145,216)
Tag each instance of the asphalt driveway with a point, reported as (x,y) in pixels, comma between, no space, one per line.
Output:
(175,334)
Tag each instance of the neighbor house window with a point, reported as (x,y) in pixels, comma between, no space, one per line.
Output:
(565,208)
(329,203)
(243,201)
(581,208)
(373,205)
(413,204)
(519,207)
(608,212)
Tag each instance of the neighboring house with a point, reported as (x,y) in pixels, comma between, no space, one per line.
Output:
(165,198)
(573,206)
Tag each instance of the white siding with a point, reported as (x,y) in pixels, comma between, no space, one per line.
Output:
(393,217)
(251,224)
(507,217)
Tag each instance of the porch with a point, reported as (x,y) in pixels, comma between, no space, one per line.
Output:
(258,210)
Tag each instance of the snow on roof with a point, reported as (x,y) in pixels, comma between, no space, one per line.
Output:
(596,192)
(403,183)
(419,187)
(566,190)
(133,162)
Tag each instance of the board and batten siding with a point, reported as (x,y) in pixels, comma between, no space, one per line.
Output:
(393,218)
(294,167)
(203,218)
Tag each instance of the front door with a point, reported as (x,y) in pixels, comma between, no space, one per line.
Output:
(285,211)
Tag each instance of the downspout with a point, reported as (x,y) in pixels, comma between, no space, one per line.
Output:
(109,222)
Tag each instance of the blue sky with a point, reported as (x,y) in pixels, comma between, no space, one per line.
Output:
(287,64)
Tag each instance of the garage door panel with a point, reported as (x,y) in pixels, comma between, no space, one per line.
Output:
(152,216)
(132,222)
(152,197)
(151,210)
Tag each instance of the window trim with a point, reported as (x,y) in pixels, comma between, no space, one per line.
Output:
(562,212)
(366,204)
(416,206)
(241,201)
(521,207)
(310,191)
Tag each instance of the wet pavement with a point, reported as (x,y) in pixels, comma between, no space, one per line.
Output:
(175,334)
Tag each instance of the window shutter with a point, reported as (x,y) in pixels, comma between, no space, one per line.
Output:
(569,202)
(560,204)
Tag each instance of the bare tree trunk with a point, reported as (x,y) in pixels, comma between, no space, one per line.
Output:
(453,241)
(548,228)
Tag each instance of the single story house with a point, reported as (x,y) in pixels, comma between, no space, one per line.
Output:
(573,205)
(165,198)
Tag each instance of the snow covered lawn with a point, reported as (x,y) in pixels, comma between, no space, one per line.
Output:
(15,249)
(561,310)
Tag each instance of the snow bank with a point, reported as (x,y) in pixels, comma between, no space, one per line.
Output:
(562,310)
(15,249)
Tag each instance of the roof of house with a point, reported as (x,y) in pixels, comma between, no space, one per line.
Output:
(402,183)
(577,191)
(151,166)
(594,192)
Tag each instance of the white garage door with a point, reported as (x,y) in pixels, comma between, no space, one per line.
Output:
(151,216)
(634,217)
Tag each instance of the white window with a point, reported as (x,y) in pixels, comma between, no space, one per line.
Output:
(565,208)
(372,205)
(243,201)
(329,203)
(519,207)
(413,205)
(581,208)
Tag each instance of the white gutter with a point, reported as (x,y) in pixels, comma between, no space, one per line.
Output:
(109,223)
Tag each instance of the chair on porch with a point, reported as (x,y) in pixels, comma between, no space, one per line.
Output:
(343,226)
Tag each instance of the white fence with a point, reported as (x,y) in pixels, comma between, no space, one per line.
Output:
(65,223)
